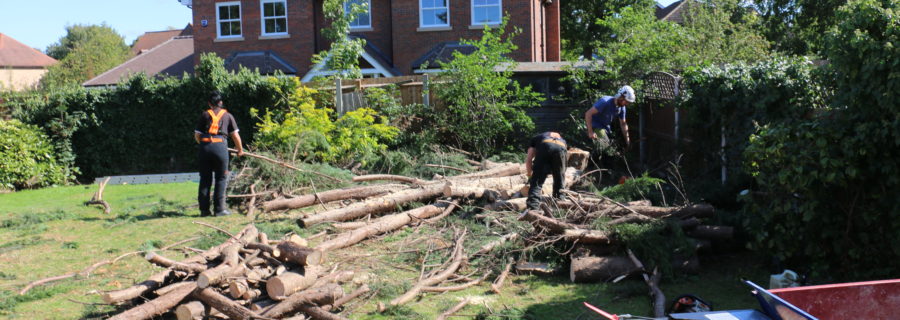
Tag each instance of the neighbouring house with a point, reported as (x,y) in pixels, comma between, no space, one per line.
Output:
(171,57)
(21,66)
(672,13)
(401,35)
(151,39)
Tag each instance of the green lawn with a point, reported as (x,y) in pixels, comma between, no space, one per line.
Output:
(50,232)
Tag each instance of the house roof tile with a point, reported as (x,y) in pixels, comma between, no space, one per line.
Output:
(173,57)
(266,62)
(16,54)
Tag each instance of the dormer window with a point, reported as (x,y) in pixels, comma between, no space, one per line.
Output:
(363,20)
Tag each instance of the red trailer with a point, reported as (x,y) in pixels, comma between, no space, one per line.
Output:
(872,300)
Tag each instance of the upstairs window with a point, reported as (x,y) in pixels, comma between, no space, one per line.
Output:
(434,13)
(362,20)
(228,15)
(274,17)
(486,12)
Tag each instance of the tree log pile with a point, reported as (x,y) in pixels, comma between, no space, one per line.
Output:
(380,204)
(246,277)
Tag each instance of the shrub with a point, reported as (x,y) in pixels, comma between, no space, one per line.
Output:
(828,185)
(484,110)
(310,132)
(27,158)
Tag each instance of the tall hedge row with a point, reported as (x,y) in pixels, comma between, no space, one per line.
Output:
(740,98)
(828,185)
(145,125)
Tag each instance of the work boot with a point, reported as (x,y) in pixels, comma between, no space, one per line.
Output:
(223,213)
(205,213)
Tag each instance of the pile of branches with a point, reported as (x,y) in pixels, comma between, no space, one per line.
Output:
(246,277)
(596,251)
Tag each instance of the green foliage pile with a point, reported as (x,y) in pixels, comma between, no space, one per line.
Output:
(84,52)
(144,125)
(484,110)
(740,98)
(27,158)
(644,187)
(315,134)
(830,182)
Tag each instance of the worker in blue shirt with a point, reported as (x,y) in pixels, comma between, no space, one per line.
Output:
(599,118)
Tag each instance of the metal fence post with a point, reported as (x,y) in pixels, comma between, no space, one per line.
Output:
(338,96)
(426,95)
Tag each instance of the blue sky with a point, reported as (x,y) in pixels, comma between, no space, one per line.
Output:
(39,23)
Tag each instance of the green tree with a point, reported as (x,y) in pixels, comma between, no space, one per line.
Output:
(579,28)
(797,26)
(343,55)
(484,108)
(714,32)
(83,53)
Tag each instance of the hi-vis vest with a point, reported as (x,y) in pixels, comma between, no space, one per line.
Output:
(213,127)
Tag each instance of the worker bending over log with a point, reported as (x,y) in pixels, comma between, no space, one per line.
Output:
(546,155)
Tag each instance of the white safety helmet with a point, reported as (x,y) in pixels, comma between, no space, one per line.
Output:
(627,92)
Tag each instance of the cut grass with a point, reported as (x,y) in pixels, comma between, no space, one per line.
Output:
(50,232)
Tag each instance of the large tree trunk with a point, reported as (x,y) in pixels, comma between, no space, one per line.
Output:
(156,306)
(596,269)
(288,251)
(390,177)
(331,195)
(323,295)
(374,206)
(497,170)
(227,306)
(381,225)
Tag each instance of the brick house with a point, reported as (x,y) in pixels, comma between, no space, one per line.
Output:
(401,35)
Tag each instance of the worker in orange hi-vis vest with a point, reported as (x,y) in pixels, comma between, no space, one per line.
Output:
(212,127)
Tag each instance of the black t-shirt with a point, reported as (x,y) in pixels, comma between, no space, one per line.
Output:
(226,123)
(538,139)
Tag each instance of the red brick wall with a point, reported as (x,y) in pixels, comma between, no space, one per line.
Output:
(379,36)
(394,24)
(552,27)
(296,50)
(410,44)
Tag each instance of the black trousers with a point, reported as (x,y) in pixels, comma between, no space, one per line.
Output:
(213,161)
(549,159)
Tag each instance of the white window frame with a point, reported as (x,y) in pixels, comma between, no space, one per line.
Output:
(369,12)
(499,6)
(422,15)
(219,19)
(263,17)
